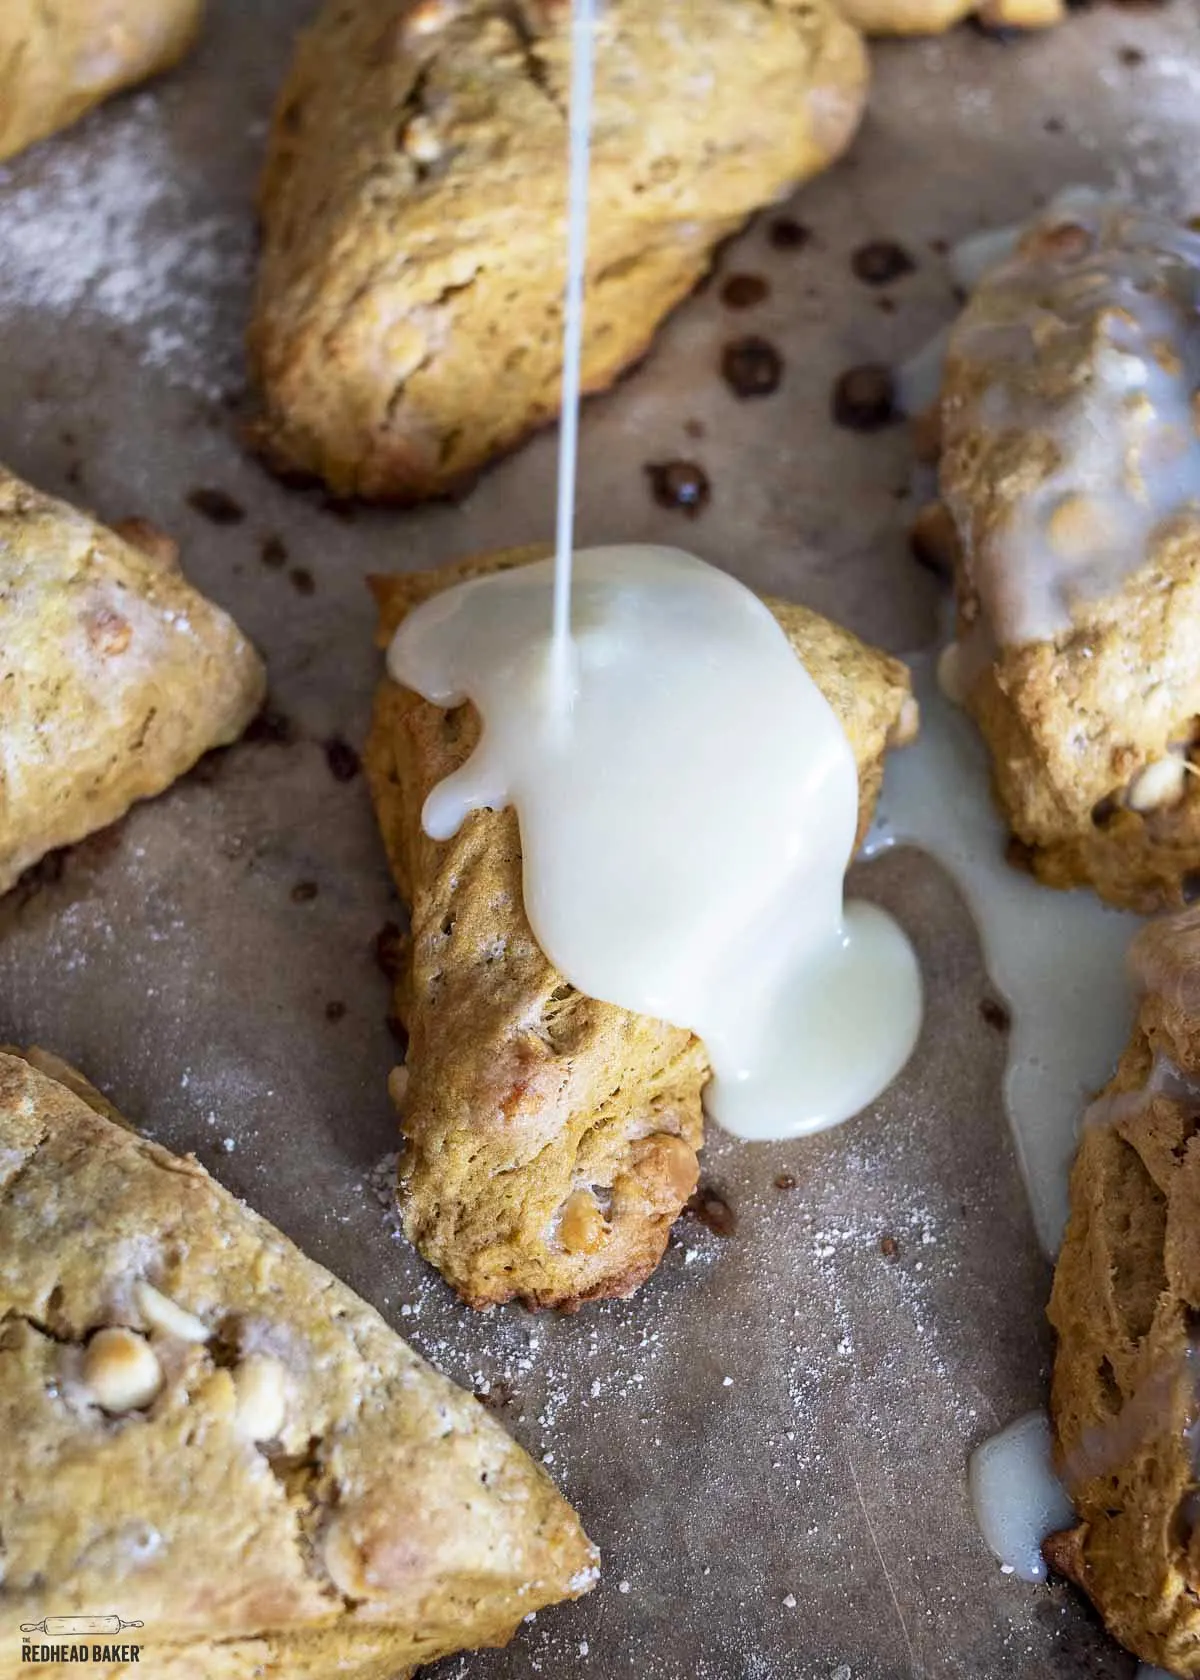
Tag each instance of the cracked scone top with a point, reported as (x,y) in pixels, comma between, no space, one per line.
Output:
(1070,439)
(551,1139)
(205,1431)
(1125,1399)
(407,326)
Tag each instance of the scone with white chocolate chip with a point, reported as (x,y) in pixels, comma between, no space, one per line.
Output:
(408,325)
(1125,1397)
(115,674)
(1071,466)
(58,58)
(206,1432)
(551,1140)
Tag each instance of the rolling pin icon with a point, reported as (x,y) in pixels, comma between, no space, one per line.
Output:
(65,1626)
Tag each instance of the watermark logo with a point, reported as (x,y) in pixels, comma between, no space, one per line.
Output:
(78,1639)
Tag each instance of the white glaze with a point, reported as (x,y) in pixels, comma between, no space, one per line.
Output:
(685,825)
(919,379)
(579,158)
(1058,958)
(1090,342)
(1017,1498)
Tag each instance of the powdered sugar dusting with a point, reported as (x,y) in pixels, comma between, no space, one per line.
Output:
(103,223)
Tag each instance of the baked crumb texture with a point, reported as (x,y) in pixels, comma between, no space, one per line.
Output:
(202,1430)
(408,323)
(115,674)
(931,17)
(1126,1389)
(551,1140)
(58,58)
(1070,462)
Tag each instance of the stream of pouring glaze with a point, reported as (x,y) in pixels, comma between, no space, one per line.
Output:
(579,126)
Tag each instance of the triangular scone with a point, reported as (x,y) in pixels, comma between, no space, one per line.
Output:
(257,1468)
(1072,491)
(551,1139)
(1126,1395)
(115,675)
(408,322)
(58,58)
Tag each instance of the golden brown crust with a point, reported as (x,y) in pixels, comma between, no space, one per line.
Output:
(1074,712)
(522,1093)
(58,58)
(1125,1400)
(408,320)
(905,17)
(932,17)
(296,1493)
(115,675)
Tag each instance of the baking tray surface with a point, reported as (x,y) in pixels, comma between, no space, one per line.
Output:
(769,1442)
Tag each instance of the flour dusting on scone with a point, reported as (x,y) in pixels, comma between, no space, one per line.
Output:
(206,1432)
(58,58)
(408,325)
(115,674)
(1126,1391)
(1070,462)
(551,1140)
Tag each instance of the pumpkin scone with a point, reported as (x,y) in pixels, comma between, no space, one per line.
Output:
(1071,468)
(408,324)
(204,1432)
(58,58)
(551,1140)
(115,674)
(1126,1391)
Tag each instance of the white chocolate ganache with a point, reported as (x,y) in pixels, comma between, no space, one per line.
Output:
(687,814)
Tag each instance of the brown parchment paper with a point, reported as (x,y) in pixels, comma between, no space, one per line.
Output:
(769,1442)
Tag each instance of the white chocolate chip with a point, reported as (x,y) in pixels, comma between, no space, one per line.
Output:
(907,724)
(259,1384)
(950,676)
(421,142)
(163,1314)
(1076,528)
(1160,783)
(121,1370)
(397,1085)
(426,17)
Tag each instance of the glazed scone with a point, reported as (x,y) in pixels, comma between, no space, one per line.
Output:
(58,58)
(1071,467)
(1126,1390)
(203,1431)
(931,17)
(115,674)
(408,323)
(551,1140)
